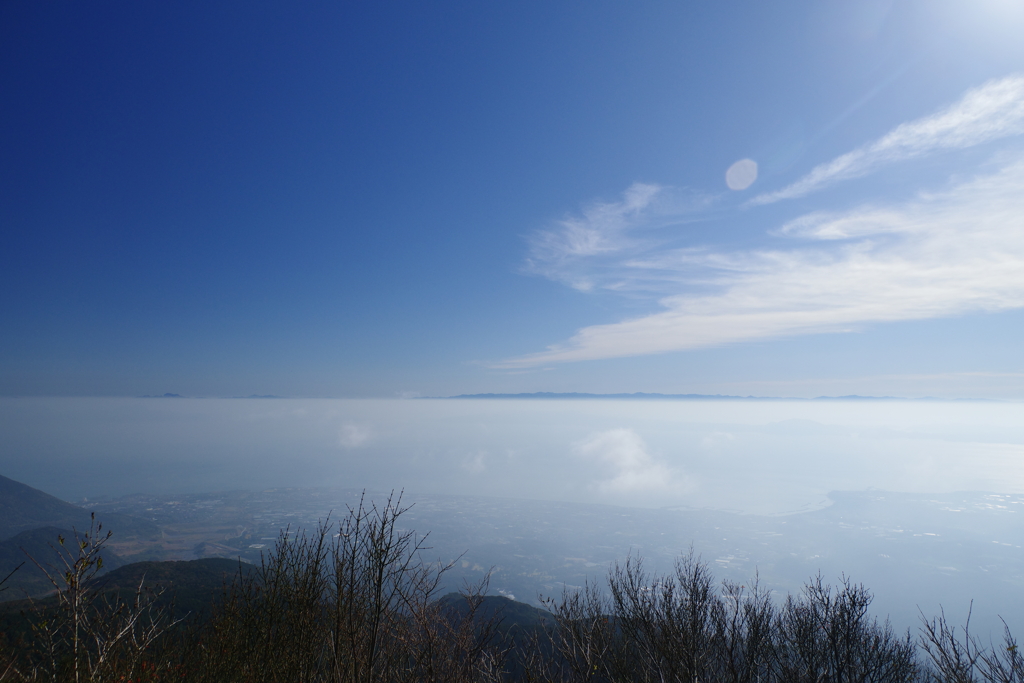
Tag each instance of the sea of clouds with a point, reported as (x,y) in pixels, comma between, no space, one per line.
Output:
(750,456)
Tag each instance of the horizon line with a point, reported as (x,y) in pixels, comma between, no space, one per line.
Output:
(639,395)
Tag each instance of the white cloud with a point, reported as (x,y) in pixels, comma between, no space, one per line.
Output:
(475,463)
(628,468)
(989,112)
(566,251)
(715,440)
(937,255)
(352,435)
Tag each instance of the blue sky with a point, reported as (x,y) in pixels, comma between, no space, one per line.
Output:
(220,199)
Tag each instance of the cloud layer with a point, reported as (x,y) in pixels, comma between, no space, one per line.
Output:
(992,111)
(605,231)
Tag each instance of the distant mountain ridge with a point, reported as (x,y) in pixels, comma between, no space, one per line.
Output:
(695,397)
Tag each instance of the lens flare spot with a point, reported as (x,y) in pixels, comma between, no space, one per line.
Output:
(741,175)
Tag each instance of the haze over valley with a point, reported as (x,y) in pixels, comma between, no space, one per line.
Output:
(918,500)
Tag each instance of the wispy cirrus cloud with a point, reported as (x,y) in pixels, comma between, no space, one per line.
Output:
(939,254)
(606,231)
(991,111)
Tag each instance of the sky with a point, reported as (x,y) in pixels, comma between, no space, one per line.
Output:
(427,199)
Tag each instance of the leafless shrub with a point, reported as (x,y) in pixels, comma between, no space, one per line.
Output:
(352,602)
(681,628)
(957,656)
(746,632)
(667,622)
(581,647)
(88,635)
(826,635)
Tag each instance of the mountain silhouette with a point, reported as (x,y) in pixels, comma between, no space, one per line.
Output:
(23,508)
